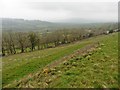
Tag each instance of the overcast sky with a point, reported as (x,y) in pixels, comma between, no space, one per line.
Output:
(55,11)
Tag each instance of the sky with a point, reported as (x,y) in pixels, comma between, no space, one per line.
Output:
(60,10)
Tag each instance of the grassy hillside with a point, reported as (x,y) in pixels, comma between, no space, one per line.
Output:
(17,66)
(97,68)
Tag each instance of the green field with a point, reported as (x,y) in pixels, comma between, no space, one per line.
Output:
(98,68)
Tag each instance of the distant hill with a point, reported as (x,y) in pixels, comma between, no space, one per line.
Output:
(38,25)
(34,25)
(24,25)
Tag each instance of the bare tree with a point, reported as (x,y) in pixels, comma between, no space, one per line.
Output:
(32,39)
(21,38)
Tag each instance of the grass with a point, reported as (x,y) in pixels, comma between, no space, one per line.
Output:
(20,65)
(98,69)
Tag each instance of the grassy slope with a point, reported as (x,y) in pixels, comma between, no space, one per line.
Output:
(20,65)
(98,69)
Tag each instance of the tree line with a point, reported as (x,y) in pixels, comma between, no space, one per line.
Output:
(20,42)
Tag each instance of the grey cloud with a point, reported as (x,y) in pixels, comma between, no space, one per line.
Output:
(71,10)
(73,6)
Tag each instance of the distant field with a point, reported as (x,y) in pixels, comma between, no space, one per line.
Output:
(97,68)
